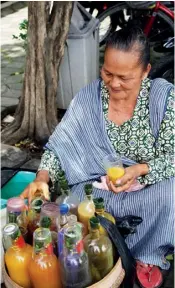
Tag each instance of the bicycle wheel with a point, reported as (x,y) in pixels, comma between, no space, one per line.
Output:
(107,21)
(162,29)
(165,28)
(164,69)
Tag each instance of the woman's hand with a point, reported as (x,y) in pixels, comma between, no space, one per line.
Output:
(38,186)
(130,176)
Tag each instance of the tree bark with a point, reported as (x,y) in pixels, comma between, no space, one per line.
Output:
(36,114)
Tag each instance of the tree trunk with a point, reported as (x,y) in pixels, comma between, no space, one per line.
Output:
(36,114)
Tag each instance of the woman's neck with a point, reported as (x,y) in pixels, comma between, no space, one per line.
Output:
(121,110)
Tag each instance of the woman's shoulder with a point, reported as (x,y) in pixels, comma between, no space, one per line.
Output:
(160,83)
(160,90)
(89,92)
(160,93)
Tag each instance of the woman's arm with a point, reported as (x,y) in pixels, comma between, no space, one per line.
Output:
(49,168)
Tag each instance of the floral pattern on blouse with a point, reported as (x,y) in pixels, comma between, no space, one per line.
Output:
(134,139)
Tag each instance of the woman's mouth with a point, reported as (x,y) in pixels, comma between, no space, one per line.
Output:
(115,90)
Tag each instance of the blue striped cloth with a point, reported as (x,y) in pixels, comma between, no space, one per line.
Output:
(80,142)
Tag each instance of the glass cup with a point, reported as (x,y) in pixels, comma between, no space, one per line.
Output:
(114,167)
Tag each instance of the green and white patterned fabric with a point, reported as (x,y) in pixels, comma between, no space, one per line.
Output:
(134,139)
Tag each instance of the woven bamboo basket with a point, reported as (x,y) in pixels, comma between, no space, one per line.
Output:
(112,280)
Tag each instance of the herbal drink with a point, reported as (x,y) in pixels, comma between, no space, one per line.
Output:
(74,261)
(100,251)
(16,213)
(34,217)
(18,256)
(99,209)
(86,209)
(114,167)
(44,269)
(50,218)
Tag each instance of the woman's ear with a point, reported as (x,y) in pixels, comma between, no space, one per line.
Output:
(146,71)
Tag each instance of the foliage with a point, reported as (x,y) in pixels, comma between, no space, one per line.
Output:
(23,26)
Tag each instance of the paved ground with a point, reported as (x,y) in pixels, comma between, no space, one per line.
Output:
(12,54)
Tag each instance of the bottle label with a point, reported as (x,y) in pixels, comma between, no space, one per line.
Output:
(79,246)
(49,249)
(20,242)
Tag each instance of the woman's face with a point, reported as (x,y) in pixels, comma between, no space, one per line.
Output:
(122,73)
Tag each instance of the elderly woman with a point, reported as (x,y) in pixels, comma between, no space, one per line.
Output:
(126,113)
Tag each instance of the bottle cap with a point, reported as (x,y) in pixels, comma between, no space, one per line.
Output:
(88,189)
(50,209)
(94,223)
(9,229)
(42,234)
(64,209)
(36,204)
(99,203)
(72,219)
(15,204)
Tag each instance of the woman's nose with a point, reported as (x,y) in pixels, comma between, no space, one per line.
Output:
(115,82)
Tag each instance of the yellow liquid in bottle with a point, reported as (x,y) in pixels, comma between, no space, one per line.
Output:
(107,216)
(86,210)
(114,173)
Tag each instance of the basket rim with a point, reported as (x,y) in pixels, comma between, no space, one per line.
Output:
(117,265)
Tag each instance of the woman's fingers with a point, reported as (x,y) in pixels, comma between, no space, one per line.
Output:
(33,188)
(124,179)
(121,188)
(45,190)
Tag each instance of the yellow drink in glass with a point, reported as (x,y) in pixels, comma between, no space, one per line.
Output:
(114,173)
(114,167)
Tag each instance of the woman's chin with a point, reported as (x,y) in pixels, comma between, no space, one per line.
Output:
(118,95)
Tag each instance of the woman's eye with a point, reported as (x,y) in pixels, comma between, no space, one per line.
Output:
(108,74)
(125,79)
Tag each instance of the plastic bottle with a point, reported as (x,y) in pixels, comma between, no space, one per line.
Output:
(86,209)
(16,213)
(18,256)
(50,218)
(44,269)
(72,222)
(66,196)
(99,209)
(34,217)
(100,251)
(74,263)
(64,209)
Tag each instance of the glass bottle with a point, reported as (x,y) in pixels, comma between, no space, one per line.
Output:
(74,263)
(34,217)
(44,269)
(18,255)
(100,251)
(50,218)
(86,209)
(72,222)
(67,196)
(64,209)
(16,213)
(99,209)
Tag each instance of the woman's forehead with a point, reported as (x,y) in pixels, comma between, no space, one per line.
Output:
(115,58)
